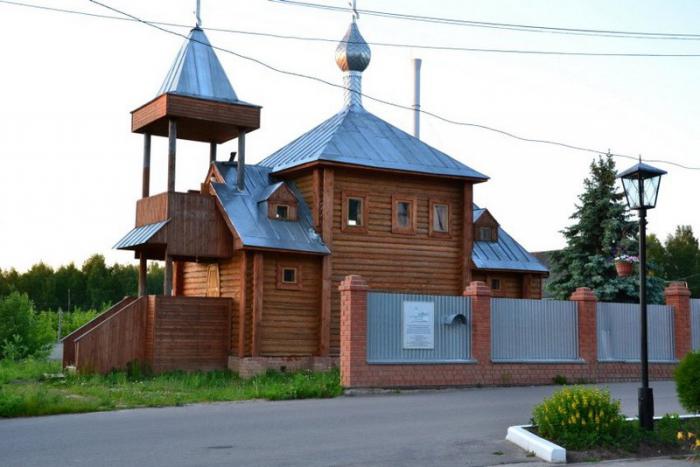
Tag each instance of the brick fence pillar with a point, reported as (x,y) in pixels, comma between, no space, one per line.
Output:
(480,295)
(353,330)
(678,296)
(586,302)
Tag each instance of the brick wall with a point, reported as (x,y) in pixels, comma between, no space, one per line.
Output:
(356,372)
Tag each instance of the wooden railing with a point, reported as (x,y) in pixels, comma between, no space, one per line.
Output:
(114,342)
(69,340)
(195,227)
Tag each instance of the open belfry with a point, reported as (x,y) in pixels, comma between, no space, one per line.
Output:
(254,256)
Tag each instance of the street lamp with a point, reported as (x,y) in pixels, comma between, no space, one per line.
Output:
(641,185)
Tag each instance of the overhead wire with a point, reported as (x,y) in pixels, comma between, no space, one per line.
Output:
(389,103)
(503,26)
(416,46)
(160,26)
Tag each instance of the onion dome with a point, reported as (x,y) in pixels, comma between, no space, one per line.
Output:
(353,53)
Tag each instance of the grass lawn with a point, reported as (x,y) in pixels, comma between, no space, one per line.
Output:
(34,387)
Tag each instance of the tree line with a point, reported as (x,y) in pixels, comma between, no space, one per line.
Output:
(94,285)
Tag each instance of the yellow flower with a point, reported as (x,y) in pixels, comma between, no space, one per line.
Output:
(691,435)
(680,436)
(697,443)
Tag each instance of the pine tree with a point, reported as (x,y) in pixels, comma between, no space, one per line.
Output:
(601,230)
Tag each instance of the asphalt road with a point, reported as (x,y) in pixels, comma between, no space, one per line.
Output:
(423,428)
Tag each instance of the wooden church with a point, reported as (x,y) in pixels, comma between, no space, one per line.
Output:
(273,240)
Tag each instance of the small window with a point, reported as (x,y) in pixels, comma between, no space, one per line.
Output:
(288,276)
(496,284)
(404,215)
(485,234)
(355,212)
(439,218)
(282,212)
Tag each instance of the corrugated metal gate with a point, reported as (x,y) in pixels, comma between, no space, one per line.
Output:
(387,332)
(695,322)
(619,332)
(533,330)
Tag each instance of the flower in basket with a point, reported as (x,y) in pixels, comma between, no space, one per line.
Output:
(627,259)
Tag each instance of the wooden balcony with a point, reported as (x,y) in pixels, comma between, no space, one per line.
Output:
(195,229)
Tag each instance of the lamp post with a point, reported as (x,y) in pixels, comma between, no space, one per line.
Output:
(641,185)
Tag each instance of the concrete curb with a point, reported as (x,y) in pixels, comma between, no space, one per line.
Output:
(546,450)
(530,442)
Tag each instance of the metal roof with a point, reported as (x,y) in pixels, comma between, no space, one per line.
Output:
(248,212)
(504,254)
(197,72)
(355,136)
(139,235)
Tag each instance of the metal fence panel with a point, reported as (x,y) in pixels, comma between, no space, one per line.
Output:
(695,322)
(619,332)
(533,330)
(452,341)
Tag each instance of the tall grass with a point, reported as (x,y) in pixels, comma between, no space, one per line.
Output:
(26,389)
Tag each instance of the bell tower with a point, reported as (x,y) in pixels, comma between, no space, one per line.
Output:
(196,102)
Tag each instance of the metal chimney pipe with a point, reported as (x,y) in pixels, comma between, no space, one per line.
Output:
(416,96)
(240,182)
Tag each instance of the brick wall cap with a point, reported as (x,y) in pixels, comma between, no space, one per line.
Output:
(353,282)
(584,294)
(677,288)
(477,289)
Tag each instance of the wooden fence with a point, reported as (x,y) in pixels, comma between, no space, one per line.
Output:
(115,341)
(191,333)
(165,333)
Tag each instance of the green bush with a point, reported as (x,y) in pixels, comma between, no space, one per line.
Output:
(22,332)
(687,377)
(579,418)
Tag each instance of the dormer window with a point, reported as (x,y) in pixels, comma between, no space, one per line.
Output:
(485,227)
(485,234)
(282,212)
(281,203)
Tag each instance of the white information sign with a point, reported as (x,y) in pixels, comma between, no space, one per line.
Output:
(418,325)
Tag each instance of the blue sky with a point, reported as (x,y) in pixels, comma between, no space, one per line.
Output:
(70,168)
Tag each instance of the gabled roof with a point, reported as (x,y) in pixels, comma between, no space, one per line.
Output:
(355,136)
(504,254)
(197,72)
(248,212)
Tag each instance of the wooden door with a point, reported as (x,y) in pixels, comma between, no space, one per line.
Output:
(213,289)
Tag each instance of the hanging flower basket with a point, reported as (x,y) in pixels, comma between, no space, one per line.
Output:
(625,265)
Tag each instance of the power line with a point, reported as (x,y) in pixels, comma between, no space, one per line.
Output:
(378,44)
(393,104)
(504,26)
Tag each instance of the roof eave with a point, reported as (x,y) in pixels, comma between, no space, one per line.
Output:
(288,170)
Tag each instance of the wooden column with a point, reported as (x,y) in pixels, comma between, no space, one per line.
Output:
(172,145)
(526,286)
(143,276)
(327,200)
(242,305)
(212,152)
(467,234)
(316,202)
(168,275)
(146,178)
(258,278)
